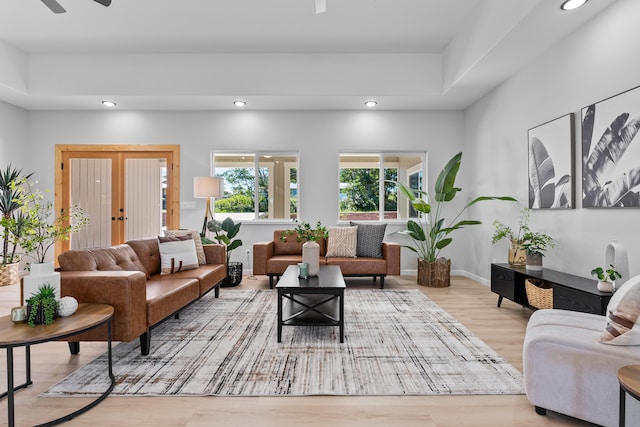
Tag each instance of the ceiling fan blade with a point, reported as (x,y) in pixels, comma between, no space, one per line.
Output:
(105,3)
(54,6)
(321,6)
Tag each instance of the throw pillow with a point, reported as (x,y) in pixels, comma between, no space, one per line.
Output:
(370,238)
(202,259)
(342,242)
(622,315)
(177,254)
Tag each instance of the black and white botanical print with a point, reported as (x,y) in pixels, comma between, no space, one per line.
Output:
(551,164)
(611,152)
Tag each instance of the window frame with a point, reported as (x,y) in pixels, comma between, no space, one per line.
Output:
(269,165)
(402,175)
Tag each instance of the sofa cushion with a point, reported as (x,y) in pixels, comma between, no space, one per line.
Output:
(370,238)
(114,258)
(195,235)
(148,251)
(177,254)
(342,242)
(622,315)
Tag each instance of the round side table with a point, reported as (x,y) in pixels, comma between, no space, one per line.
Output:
(629,379)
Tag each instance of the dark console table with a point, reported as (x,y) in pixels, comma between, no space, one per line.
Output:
(569,292)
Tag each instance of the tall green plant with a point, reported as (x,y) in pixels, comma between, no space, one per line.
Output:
(40,231)
(11,191)
(224,232)
(430,232)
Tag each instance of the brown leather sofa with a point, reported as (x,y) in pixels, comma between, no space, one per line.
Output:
(128,278)
(273,257)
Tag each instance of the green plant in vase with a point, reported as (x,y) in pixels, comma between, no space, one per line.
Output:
(225,232)
(42,303)
(606,277)
(516,255)
(535,244)
(306,233)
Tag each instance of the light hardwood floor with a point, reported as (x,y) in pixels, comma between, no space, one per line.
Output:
(468,301)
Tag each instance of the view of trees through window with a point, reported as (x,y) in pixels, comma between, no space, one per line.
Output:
(367,184)
(257,185)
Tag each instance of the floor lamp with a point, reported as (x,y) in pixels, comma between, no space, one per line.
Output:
(207,187)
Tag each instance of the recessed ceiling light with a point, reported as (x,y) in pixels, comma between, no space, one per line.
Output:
(108,103)
(239,103)
(572,4)
(371,103)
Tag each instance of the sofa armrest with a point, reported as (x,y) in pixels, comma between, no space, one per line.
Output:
(215,253)
(126,291)
(391,253)
(262,251)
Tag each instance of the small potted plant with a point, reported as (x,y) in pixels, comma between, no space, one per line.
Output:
(306,233)
(224,232)
(311,248)
(606,278)
(535,244)
(516,255)
(42,306)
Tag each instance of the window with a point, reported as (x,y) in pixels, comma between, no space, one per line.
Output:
(367,185)
(257,186)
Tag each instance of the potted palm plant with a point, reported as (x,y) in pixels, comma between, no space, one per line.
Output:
(225,232)
(12,222)
(430,232)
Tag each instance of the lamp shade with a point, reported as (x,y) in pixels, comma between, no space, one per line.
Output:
(207,186)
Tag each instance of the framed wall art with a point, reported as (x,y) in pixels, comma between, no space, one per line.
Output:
(611,152)
(551,164)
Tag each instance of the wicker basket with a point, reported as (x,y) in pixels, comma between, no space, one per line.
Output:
(434,274)
(539,293)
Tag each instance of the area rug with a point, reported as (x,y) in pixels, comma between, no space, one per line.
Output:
(397,342)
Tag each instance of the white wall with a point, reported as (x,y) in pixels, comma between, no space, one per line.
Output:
(594,63)
(318,136)
(13,136)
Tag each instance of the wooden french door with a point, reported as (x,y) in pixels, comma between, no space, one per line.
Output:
(128,191)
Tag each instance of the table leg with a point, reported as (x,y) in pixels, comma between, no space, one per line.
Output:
(279,315)
(341,296)
(10,410)
(622,408)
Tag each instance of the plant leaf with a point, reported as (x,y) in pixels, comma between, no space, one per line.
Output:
(416,231)
(541,174)
(611,146)
(444,188)
(587,131)
(613,192)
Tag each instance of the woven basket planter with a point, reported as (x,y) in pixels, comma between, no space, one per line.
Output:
(9,274)
(434,274)
(539,293)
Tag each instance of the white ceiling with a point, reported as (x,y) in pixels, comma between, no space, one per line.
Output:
(275,54)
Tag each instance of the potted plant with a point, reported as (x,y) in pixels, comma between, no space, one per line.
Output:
(430,233)
(516,255)
(225,232)
(41,232)
(606,278)
(11,189)
(306,233)
(535,244)
(42,306)
(311,248)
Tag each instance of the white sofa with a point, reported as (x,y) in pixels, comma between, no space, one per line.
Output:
(567,370)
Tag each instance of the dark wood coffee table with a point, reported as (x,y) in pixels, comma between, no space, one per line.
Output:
(87,317)
(314,301)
